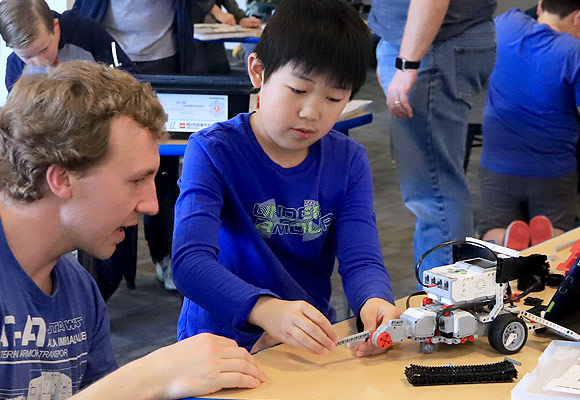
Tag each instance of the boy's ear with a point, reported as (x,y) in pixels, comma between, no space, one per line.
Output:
(576,20)
(539,8)
(255,70)
(59,182)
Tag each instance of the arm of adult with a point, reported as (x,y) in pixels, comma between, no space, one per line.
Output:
(236,11)
(222,16)
(195,366)
(423,22)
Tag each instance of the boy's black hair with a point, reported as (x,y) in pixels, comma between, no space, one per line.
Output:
(561,8)
(325,37)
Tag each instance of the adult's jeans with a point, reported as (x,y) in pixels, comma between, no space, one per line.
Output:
(429,149)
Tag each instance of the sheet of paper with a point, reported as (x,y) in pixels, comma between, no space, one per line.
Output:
(569,382)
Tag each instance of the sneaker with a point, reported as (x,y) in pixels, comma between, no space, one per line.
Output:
(168,280)
(160,273)
(517,236)
(540,229)
(163,273)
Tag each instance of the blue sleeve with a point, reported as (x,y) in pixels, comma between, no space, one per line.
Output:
(197,271)
(358,248)
(94,9)
(100,360)
(14,68)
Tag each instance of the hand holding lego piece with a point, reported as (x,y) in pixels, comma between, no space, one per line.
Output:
(296,323)
(374,312)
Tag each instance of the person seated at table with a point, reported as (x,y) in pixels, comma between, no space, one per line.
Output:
(215,53)
(531,126)
(269,199)
(78,156)
(233,15)
(41,38)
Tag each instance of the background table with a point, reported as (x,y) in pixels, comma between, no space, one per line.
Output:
(177,147)
(296,374)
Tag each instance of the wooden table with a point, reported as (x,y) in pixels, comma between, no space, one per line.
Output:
(296,374)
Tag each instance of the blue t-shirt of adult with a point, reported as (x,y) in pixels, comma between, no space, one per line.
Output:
(530,123)
(51,346)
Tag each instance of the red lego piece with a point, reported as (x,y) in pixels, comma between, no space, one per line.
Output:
(383,340)
(574,253)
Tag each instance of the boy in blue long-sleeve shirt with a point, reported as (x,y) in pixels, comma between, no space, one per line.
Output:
(270,199)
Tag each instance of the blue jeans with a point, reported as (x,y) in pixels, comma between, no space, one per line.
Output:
(429,148)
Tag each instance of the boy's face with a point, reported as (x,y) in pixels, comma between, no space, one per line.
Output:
(43,51)
(113,194)
(296,110)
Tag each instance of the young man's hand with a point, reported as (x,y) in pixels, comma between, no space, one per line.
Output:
(294,322)
(374,312)
(199,365)
(204,364)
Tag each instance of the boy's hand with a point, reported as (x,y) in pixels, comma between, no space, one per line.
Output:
(294,322)
(203,364)
(374,312)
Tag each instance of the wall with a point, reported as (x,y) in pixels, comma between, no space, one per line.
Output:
(57,5)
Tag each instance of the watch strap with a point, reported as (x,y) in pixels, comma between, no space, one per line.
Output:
(403,65)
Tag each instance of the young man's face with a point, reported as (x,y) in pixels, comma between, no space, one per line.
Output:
(296,110)
(43,51)
(111,195)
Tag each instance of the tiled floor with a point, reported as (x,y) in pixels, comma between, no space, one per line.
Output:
(145,318)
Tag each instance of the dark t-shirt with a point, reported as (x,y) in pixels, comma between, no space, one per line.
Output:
(388,17)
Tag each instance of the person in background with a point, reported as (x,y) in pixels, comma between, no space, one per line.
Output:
(270,199)
(215,53)
(434,56)
(78,156)
(233,15)
(43,38)
(158,37)
(530,127)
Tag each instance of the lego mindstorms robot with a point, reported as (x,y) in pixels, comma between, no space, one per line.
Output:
(469,299)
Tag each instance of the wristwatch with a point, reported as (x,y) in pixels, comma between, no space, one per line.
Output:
(403,65)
